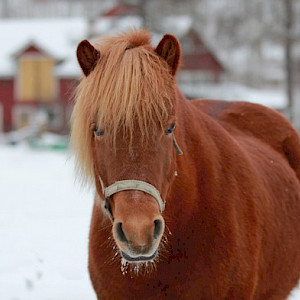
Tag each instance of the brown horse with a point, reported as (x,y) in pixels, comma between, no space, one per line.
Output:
(211,214)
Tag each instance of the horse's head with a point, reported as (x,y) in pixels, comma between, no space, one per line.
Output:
(123,132)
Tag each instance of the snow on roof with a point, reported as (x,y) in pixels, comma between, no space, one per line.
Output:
(177,25)
(109,26)
(274,98)
(69,69)
(58,37)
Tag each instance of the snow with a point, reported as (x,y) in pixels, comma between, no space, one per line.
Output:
(272,51)
(58,37)
(44,221)
(177,25)
(70,68)
(110,26)
(275,98)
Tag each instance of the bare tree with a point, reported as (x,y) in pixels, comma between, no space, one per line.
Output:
(143,13)
(288,55)
(4,9)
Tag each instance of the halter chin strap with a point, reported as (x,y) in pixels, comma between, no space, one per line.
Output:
(125,185)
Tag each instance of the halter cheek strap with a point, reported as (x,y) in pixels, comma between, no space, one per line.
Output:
(179,151)
(125,185)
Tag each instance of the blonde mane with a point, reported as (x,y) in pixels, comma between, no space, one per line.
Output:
(130,89)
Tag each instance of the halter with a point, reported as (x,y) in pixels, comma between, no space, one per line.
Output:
(125,185)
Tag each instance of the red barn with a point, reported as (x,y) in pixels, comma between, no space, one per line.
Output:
(37,81)
(121,10)
(35,89)
(197,57)
(199,61)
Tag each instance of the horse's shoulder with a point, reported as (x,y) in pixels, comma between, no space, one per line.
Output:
(211,107)
(232,111)
(256,121)
(247,117)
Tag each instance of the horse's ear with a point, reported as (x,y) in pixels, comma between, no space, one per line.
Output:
(169,49)
(87,57)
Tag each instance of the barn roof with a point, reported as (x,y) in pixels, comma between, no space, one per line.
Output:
(122,10)
(59,37)
(30,47)
(56,37)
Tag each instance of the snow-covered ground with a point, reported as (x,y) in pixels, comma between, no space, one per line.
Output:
(44,220)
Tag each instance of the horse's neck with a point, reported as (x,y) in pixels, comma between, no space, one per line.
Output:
(201,140)
(195,128)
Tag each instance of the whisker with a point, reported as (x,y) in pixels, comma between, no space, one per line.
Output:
(104,228)
(169,231)
(105,243)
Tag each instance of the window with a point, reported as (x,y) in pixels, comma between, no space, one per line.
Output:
(36,118)
(54,116)
(35,80)
(22,116)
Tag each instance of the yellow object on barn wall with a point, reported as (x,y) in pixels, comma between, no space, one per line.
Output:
(35,80)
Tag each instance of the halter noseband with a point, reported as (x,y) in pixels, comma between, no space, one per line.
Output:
(125,185)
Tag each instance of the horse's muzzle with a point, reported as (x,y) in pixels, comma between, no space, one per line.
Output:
(138,225)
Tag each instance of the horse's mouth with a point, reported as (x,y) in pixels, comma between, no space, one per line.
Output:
(138,258)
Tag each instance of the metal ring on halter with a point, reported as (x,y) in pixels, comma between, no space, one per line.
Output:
(125,185)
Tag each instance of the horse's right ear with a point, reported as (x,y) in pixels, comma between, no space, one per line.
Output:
(169,49)
(87,56)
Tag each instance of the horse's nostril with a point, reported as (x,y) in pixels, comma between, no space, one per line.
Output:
(157,228)
(121,233)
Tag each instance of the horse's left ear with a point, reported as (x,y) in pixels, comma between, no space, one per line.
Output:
(169,49)
(87,56)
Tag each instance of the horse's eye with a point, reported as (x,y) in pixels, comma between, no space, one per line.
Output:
(98,131)
(170,129)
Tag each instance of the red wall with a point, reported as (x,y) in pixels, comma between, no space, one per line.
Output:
(67,89)
(7,101)
(201,62)
(204,62)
